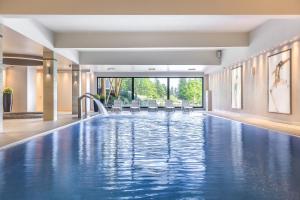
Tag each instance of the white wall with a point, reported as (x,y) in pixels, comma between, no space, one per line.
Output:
(39,91)
(31,89)
(64,90)
(255,87)
(267,36)
(27,85)
(16,78)
(24,81)
(86,87)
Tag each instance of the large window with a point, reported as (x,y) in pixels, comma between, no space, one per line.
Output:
(115,88)
(159,89)
(150,89)
(189,89)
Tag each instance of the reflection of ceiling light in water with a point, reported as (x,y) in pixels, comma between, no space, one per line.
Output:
(110,69)
(151,69)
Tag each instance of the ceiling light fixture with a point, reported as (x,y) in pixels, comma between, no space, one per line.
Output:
(110,69)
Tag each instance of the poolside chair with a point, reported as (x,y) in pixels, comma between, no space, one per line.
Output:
(152,105)
(169,106)
(186,106)
(135,106)
(117,107)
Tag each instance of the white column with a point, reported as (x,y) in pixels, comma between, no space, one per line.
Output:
(93,90)
(49,85)
(1,78)
(76,87)
(31,88)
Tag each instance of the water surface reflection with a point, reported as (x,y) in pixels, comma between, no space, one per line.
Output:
(157,156)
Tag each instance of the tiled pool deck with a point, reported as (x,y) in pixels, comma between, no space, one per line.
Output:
(16,130)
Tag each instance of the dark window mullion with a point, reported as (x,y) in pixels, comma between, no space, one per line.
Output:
(168,88)
(132,88)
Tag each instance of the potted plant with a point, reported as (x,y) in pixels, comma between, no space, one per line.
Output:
(102,99)
(7,99)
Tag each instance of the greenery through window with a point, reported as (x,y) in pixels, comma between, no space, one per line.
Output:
(150,89)
(144,89)
(189,89)
(115,88)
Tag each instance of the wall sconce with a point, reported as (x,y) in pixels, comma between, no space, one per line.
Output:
(48,67)
(48,71)
(48,63)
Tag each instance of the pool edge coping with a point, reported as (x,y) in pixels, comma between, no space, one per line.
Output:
(255,125)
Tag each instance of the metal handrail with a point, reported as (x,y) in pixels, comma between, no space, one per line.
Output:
(86,96)
(79,104)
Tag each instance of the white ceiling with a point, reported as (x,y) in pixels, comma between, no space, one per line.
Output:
(146,68)
(17,43)
(203,23)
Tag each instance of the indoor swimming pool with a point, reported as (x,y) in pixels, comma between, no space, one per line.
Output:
(153,156)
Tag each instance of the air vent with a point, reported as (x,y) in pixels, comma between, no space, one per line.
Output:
(151,69)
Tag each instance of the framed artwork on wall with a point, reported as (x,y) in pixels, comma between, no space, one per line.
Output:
(236,88)
(279,82)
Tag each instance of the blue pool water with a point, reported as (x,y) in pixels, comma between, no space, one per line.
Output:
(153,156)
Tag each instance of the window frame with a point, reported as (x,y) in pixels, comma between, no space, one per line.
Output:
(168,87)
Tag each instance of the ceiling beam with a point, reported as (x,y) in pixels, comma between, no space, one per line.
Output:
(190,57)
(126,7)
(37,33)
(162,74)
(150,40)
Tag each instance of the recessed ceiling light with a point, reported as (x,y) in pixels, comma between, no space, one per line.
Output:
(110,69)
(151,69)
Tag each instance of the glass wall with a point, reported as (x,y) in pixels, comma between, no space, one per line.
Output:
(150,89)
(189,89)
(159,89)
(115,88)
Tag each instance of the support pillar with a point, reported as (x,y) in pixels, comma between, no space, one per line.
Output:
(103,87)
(76,87)
(1,78)
(49,85)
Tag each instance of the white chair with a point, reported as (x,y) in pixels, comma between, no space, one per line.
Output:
(117,107)
(135,106)
(152,105)
(186,106)
(169,106)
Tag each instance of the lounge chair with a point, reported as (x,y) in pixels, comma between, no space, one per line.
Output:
(152,105)
(117,107)
(169,106)
(186,107)
(135,106)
